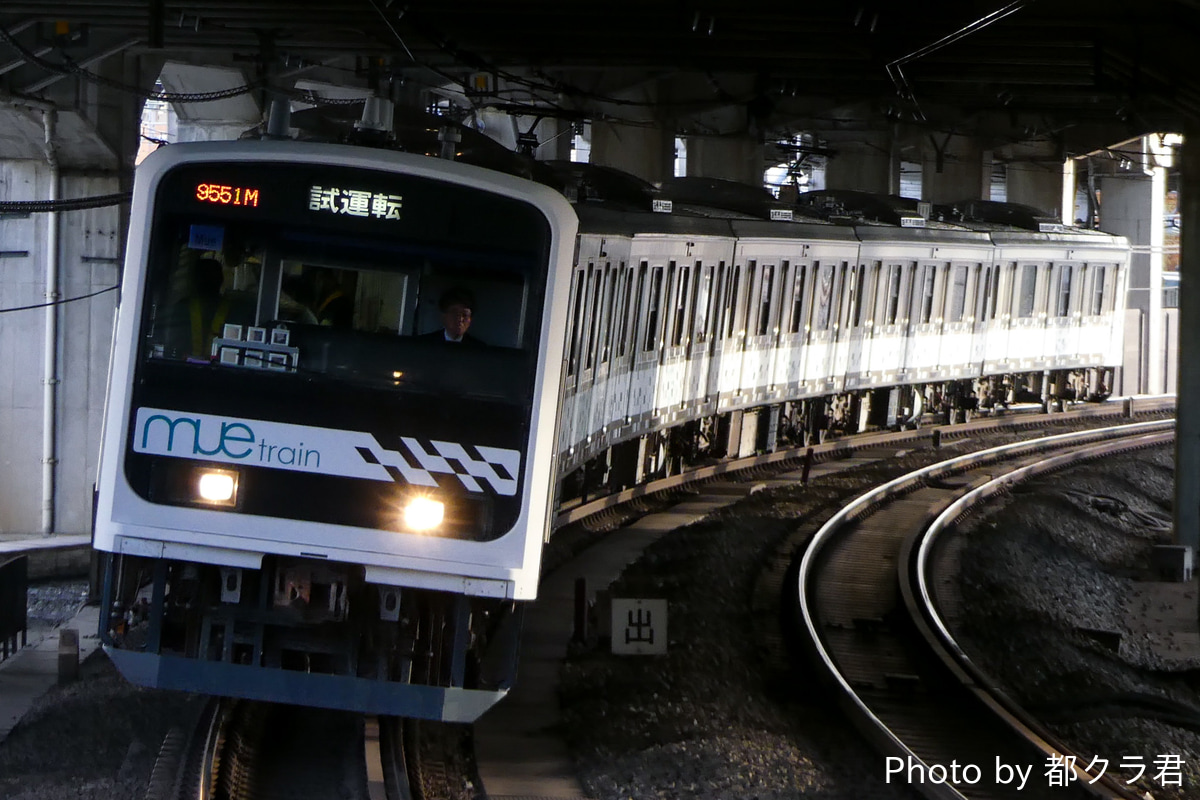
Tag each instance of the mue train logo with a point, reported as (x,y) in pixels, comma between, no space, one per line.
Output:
(327,451)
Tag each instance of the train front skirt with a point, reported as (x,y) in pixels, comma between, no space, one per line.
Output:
(448,704)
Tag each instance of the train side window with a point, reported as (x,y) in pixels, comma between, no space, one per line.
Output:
(654,304)
(994,300)
(718,312)
(785,272)
(700,301)
(1062,306)
(597,314)
(893,294)
(714,295)
(626,312)
(670,293)
(635,316)
(797,299)
(716,320)
(679,329)
(576,321)
(925,309)
(860,283)
(750,296)
(733,280)
(610,300)
(874,289)
(1027,291)
(843,287)
(764,305)
(1099,276)
(824,297)
(958,294)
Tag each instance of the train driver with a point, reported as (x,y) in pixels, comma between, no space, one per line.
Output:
(195,321)
(456,305)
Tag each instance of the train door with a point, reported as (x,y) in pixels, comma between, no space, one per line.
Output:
(571,411)
(792,330)
(643,343)
(585,314)
(860,322)
(727,351)
(778,374)
(982,296)
(712,379)
(1063,323)
(759,325)
(826,305)
(922,337)
(1027,333)
(955,354)
(699,381)
(672,353)
(597,354)
(631,286)
(1095,323)
(887,348)
(848,292)
(996,315)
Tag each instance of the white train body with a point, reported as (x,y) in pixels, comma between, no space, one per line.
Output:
(382,495)
(326,410)
(725,316)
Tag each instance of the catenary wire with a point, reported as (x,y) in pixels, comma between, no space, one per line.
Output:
(64,301)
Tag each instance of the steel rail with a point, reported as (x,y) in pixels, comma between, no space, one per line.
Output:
(869,722)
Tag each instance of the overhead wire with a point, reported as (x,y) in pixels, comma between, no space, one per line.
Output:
(68,66)
(69,204)
(64,301)
(895,72)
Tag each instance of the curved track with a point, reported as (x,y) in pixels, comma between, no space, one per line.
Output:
(865,601)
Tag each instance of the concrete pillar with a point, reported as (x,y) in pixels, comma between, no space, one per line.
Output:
(95,141)
(1132,206)
(1035,176)
(648,152)
(1187,415)
(870,162)
(954,168)
(90,250)
(729,158)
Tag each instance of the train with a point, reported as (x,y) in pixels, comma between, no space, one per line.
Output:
(730,323)
(307,495)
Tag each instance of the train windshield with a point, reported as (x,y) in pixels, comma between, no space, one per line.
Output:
(348,285)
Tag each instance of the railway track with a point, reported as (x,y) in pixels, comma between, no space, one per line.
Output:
(240,750)
(867,604)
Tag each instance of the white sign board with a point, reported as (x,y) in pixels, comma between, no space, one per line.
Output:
(639,627)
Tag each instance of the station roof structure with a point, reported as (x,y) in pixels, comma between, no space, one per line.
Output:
(1084,73)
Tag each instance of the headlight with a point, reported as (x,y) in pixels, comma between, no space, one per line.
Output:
(217,487)
(423,514)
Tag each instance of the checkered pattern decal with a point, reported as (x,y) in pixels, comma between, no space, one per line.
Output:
(324,451)
(415,463)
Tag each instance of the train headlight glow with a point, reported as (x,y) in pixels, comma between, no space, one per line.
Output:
(217,487)
(423,514)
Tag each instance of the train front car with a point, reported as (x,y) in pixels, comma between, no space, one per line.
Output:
(307,494)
